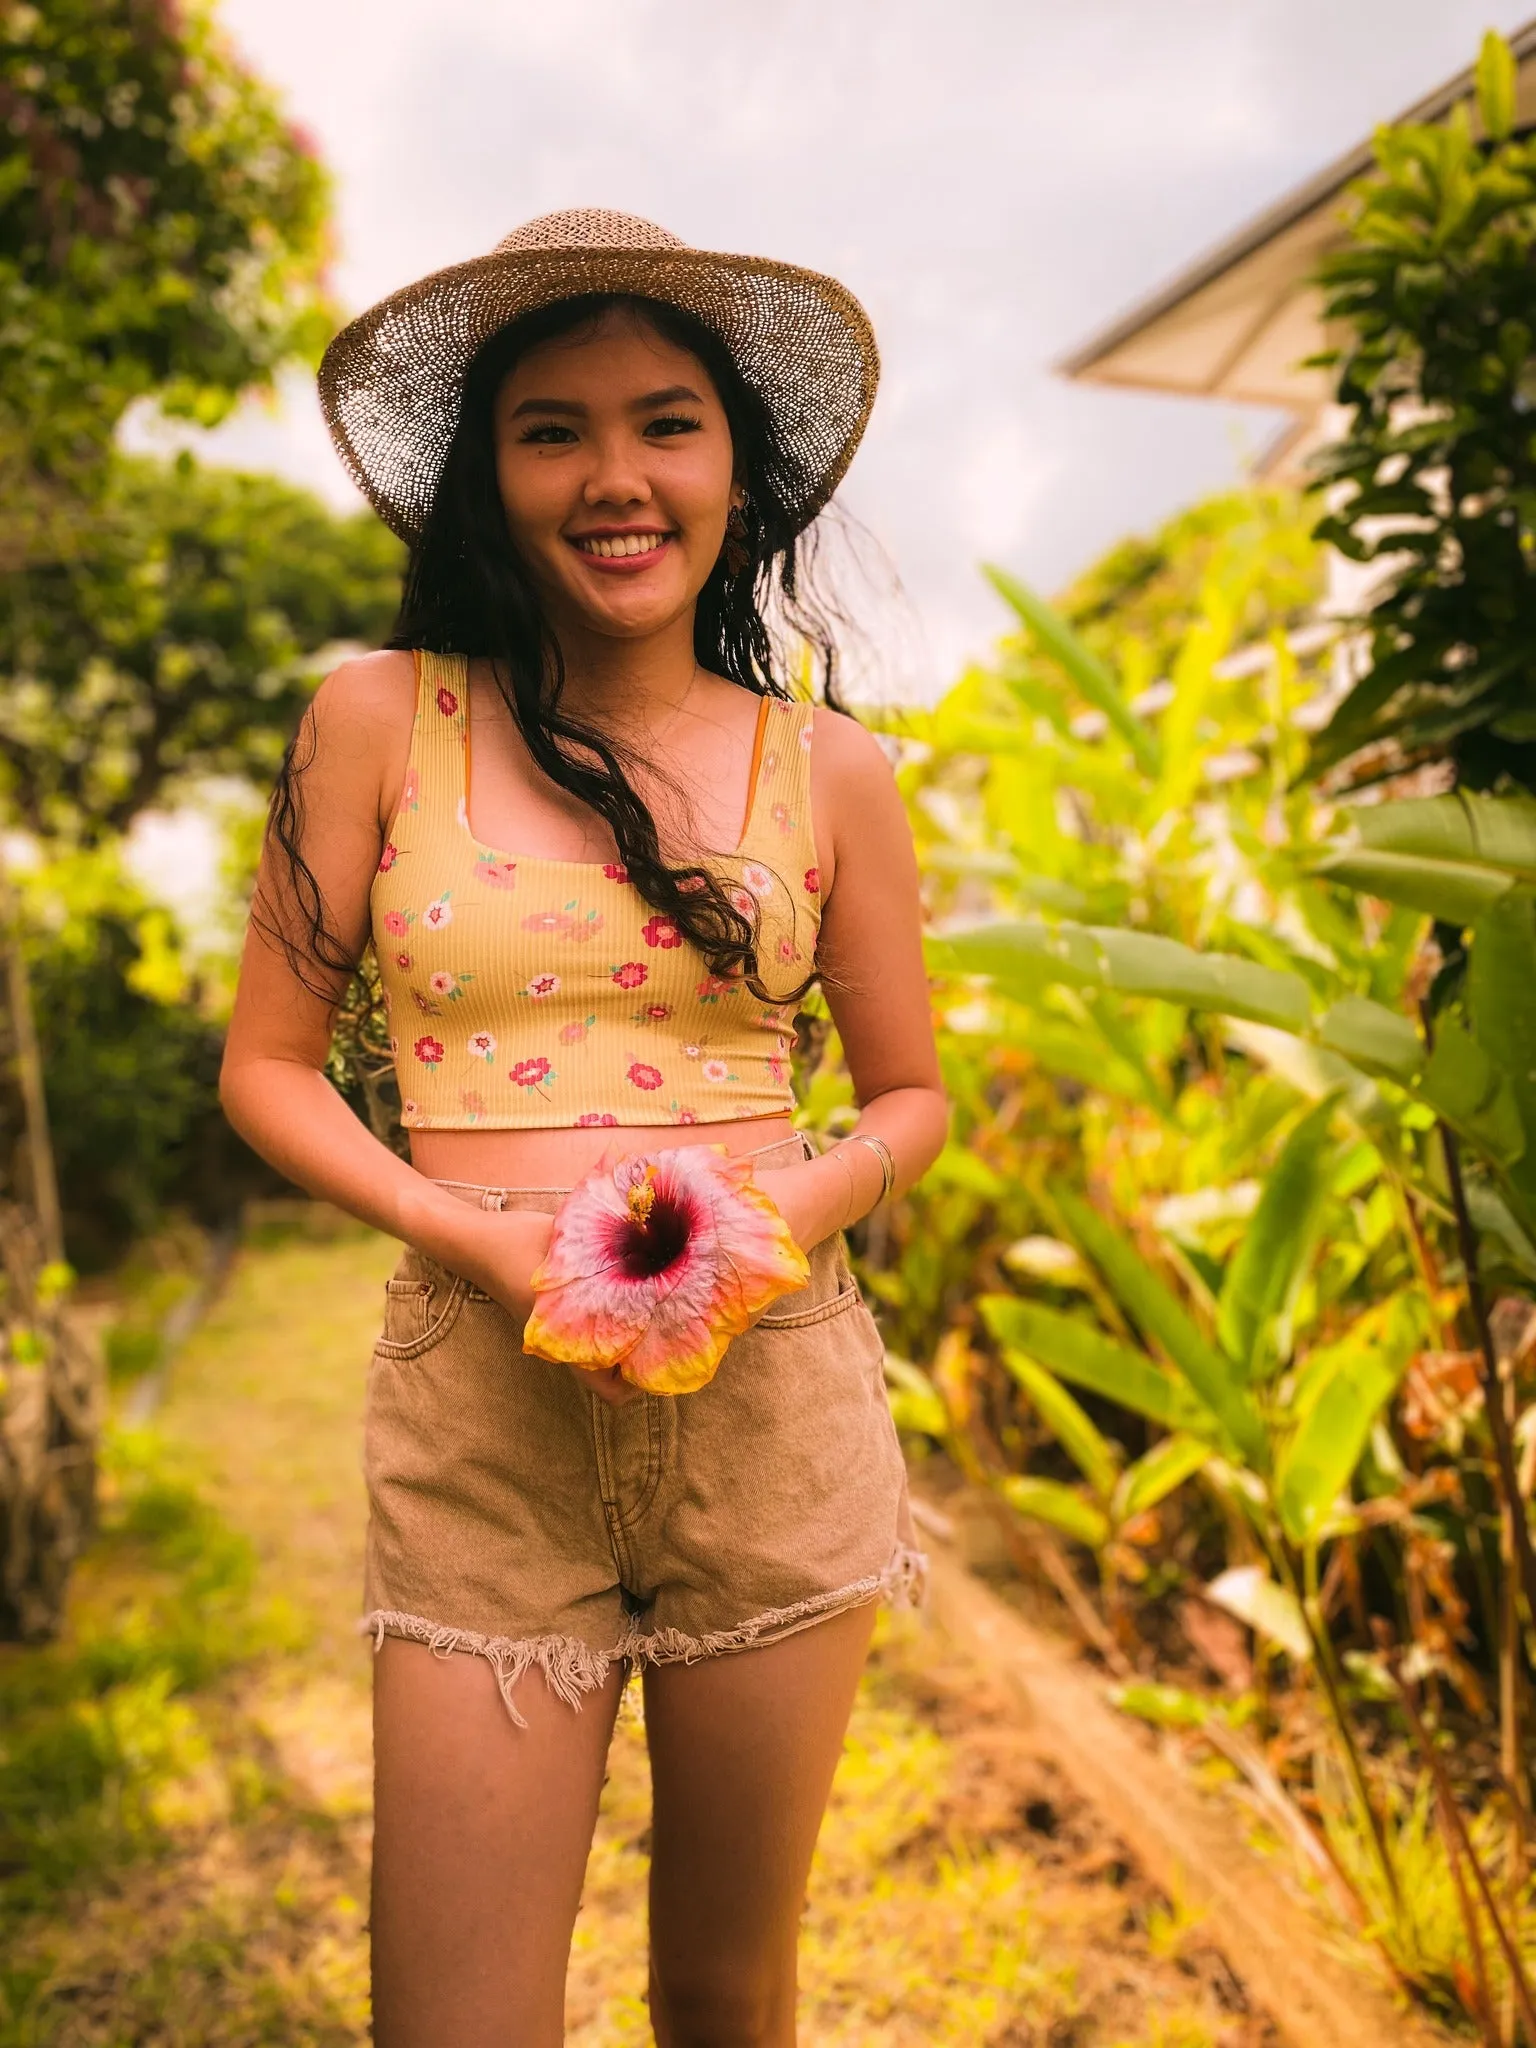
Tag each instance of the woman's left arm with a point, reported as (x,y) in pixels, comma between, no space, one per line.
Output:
(870,955)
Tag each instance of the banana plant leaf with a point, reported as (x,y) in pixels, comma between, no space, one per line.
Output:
(1063,1507)
(1501,1000)
(1451,856)
(1158,1312)
(1317,1463)
(915,1403)
(1089,1450)
(1160,1472)
(1093,680)
(1269,1266)
(1078,1353)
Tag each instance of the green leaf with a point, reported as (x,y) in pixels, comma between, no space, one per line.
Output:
(1317,1463)
(1076,1352)
(1089,1451)
(915,1403)
(1092,679)
(1496,86)
(1047,1500)
(1451,856)
(1501,1000)
(1212,1375)
(1026,955)
(1248,1593)
(1266,1273)
(1162,1471)
(1164,1706)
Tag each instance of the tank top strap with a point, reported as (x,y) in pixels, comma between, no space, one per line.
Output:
(779,819)
(439,742)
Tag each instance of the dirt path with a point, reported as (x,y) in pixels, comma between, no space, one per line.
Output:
(960,1894)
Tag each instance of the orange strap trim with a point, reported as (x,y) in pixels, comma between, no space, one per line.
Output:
(756,765)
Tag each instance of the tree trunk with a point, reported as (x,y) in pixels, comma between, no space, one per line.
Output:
(51,1391)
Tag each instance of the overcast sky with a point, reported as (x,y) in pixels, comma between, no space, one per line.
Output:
(995,179)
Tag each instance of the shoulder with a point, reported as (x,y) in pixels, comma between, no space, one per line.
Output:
(847,761)
(375,690)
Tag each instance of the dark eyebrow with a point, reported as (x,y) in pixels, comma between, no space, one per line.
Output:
(573,409)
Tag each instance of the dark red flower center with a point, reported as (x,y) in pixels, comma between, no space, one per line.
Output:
(656,1233)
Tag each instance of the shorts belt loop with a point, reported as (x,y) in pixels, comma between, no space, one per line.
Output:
(493,1198)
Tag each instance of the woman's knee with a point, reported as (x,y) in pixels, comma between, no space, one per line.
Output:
(714,2007)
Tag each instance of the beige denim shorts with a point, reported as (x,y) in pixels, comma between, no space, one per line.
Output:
(515,1516)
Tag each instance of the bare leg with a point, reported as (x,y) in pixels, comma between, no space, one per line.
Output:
(481,1836)
(743,1751)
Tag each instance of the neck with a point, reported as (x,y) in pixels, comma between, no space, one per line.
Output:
(615,683)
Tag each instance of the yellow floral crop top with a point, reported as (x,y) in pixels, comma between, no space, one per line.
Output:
(526,993)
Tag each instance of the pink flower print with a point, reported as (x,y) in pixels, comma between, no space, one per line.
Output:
(409,1111)
(691,1052)
(661,931)
(656,1013)
(447,703)
(496,874)
(778,1072)
(813,881)
(615,870)
(687,1116)
(472,1102)
(770,761)
(711,988)
(689,885)
(781,817)
(631,974)
(757,879)
(741,901)
(403,962)
(388,857)
(397,923)
(410,790)
(394,1048)
(642,1076)
(529,1073)
(715,1070)
(425,1004)
(787,951)
(603,1118)
(542,985)
(443,983)
(429,1051)
(438,913)
(481,1045)
(805,735)
(574,1032)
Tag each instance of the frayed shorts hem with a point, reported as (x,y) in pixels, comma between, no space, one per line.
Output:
(573,1668)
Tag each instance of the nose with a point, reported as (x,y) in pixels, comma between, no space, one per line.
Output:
(617,476)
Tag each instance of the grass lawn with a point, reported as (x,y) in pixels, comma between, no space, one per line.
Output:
(185,1776)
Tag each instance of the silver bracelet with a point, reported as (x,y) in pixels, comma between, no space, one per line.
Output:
(882,1152)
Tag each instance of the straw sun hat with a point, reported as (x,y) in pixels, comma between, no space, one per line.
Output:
(390,382)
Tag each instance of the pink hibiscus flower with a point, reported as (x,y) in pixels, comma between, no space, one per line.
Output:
(529,1073)
(574,1032)
(661,931)
(481,1045)
(655,1264)
(542,985)
(642,1076)
(715,1070)
(388,857)
(600,1117)
(757,879)
(447,703)
(687,1116)
(498,874)
(397,923)
(631,974)
(410,790)
(743,902)
(615,871)
(657,1013)
(429,1051)
(403,962)
(813,881)
(438,913)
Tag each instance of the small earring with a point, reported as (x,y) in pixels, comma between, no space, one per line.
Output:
(737,553)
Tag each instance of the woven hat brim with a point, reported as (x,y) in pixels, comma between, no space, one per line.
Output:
(390,382)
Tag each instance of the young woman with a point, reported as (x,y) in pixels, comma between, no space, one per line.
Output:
(601,851)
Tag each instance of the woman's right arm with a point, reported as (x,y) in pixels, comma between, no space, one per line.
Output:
(272,1083)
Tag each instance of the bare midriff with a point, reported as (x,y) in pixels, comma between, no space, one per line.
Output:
(560,1158)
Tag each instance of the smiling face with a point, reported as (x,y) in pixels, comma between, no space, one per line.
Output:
(615,465)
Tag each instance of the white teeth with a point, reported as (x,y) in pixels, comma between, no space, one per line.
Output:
(622,544)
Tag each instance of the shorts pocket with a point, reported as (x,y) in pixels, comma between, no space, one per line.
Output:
(421,1304)
(802,1319)
(831,1290)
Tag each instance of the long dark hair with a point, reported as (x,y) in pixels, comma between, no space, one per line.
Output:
(467,592)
